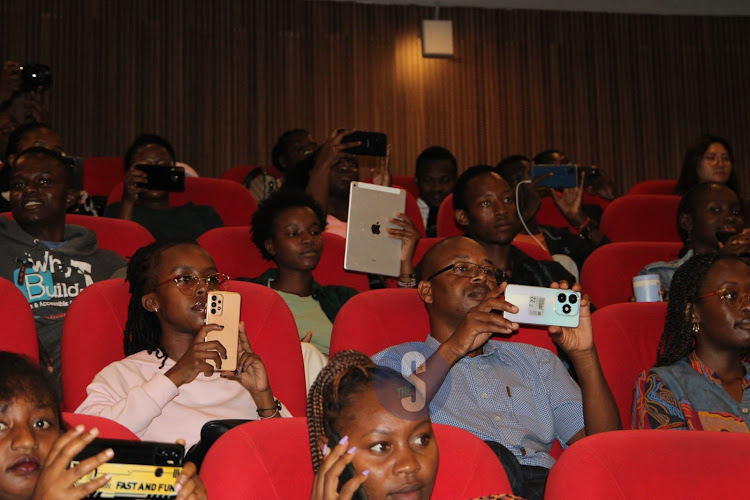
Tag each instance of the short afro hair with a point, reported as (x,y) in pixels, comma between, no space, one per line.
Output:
(270,208)
(434,153)
(145,140)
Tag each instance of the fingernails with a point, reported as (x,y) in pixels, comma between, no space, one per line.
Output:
(344,439)
(108,476)
(109,452)
(351,450)
(80,427)
(325,449)
(94,431)
(177,487)
(365,472)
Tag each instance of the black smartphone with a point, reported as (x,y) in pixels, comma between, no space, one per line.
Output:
(348,472)
(592,175)
(372,143)
(723,236)
(139,469)
(163,178)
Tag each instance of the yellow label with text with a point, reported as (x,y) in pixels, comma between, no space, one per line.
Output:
(133,481)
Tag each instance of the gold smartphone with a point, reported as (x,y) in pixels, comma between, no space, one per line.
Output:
(223,308)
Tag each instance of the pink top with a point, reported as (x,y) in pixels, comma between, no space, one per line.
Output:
(335,226)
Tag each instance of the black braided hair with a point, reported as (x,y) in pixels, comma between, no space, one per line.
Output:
(21,378)
(689,205)
(143,329)
(677,340)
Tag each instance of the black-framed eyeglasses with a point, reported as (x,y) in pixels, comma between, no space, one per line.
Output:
(729,296)
(187,283)
(470,270)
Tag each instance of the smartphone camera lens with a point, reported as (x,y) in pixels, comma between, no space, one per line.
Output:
(561,297)
(573,299)
(567,308)
(213,304)
(213,311)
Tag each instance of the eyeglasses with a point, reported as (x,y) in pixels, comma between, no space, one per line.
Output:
(470,270)
(728,296)
(188,283)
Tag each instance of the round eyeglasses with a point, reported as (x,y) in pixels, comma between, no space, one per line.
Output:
(188,283)
(470,270)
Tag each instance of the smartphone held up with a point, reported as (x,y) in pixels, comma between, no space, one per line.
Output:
(543,306)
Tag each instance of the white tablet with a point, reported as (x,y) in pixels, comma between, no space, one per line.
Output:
(369,249)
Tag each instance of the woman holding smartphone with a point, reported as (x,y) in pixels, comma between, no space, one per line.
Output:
(166,388)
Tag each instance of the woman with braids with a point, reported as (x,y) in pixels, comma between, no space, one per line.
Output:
(709,220)
(360,445)
(165,389)
(702,377)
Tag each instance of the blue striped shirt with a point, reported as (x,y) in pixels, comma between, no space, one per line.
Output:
(518,395)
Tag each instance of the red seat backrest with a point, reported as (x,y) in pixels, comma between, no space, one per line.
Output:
(93,338)
(263,456)
(101,174)
(408,182)
(19,332)
(641,217)
(108,429)
(412,210)
(236,254)
(654,186)
(627,337)
(607,274)
(231,200)
(446,222)
(652,464)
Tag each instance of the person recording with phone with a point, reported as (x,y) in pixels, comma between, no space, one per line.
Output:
(517,397)
(151,207)
(576,244)
(165,389)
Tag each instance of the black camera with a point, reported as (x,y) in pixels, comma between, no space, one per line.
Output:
(35,77)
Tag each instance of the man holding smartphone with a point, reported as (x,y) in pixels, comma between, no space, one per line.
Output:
(517,397)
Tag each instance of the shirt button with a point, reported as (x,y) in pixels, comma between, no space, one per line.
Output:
(745,410)
(497,419)
(484,396)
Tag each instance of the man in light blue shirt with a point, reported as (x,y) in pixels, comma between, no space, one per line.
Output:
(511,394)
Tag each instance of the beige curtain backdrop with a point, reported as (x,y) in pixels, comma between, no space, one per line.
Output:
(222,79)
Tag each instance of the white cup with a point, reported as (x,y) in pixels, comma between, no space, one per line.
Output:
(647,288)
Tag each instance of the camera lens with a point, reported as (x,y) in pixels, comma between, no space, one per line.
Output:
(213,311)
(567,308)
(561,298)
(573,299)
(213,304)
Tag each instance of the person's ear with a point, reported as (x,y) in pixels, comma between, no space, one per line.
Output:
(461,217)
(269,246)
(685,222)
(71,196)
(424,289)
(692,313)
(150,302)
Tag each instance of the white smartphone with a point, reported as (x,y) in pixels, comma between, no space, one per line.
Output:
(223,308)
(543,306)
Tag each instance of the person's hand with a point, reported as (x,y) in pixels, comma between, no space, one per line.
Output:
(602,186)
(326,481)
(578,340)
(250,372)
(189,485)
(56,480)
(737,244)
(570,203)
(530,197)
(10,80)
(333,150)
(307,338)
(33,107)
(381,175)
(133,184)
(482,322)
(407,233)
(195,359)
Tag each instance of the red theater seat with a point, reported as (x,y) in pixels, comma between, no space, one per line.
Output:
(101,174)
(607,274)
(19,333)
(654,186)
(641,217)
(236,255)
(627,337)
(270,459)
(446,222)
(108,429)
(238,174)
(652,464)
(231,200)
(408,182)
(91,341)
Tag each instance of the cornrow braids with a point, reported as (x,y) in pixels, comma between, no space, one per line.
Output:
(143,329)
(347,373)
(677,340)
